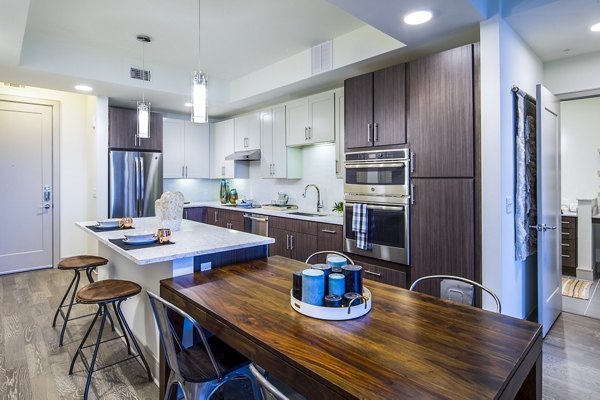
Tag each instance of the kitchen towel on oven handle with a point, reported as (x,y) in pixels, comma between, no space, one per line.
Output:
(360,225)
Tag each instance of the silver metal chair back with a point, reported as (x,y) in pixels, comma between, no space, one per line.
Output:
(266,387)
(460,279)
(329,252)
(172,345)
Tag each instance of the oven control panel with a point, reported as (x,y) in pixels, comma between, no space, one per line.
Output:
(375,155)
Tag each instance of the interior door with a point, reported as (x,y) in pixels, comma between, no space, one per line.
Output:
(26,204)
(548,208)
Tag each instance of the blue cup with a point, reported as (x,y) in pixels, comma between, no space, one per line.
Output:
(336,261)
(337,284)
(313,286)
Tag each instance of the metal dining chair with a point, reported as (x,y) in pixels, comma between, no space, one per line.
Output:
(472,284)
(337,253)
(201,369)
(266,387)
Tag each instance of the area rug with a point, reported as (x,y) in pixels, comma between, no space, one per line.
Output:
(577,288)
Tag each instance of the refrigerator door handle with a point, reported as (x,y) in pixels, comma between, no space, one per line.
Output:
(137,186)
(142,189)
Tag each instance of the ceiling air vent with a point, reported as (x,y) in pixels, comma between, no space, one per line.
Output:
(138,73)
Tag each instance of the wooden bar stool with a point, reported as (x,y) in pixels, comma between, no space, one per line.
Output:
(76,264)
(103,293)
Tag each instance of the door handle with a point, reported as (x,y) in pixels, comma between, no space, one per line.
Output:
(287,242)
(369,133)
(412,194)
(376,132)
(412,162)
(182,171)
(45,206)
(373,273)
(216,214)
(305,133)
(542,227)
(328,231)
(291,242)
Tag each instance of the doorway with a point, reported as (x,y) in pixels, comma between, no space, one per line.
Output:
(29,181)
(580,187)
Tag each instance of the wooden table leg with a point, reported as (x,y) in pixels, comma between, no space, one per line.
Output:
(532,386)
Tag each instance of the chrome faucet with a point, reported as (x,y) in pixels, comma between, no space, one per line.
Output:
(319,203)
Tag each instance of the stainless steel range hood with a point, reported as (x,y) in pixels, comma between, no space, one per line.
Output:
(249,155)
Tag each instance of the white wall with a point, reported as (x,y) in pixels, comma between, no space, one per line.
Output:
(505,61)
(573,74)
(75,190)
(318,167)
(580,141)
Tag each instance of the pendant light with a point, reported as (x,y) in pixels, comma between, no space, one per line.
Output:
(143,107)
(199,113)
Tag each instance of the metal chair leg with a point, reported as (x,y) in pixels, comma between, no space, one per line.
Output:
(64,327)
(63,300)
(87,333)
(121,325)
(135,343)
(91,371)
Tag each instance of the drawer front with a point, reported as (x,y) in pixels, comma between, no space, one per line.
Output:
(294,225)
(382,274)
(569,258)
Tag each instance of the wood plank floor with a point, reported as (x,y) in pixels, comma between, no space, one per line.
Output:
(32,366)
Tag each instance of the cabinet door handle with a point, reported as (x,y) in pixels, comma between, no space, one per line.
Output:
(306,133)
(369,133)
(216,216)
(412,194)
(412,162)
(291,242)
(223,171)
(328,231)
(565,245)
(376,130)
(182,171)
(287,241)
(309,132)
(566,234)
(185,214)
(566,256)
(373,273)
(566,223)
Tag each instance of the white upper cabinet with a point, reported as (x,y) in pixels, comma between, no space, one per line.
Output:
(222,145)
(311,120)
(247,132)
(339,133)
(186,150)
(276,160)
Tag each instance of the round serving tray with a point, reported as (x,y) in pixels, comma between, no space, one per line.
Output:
(332,313)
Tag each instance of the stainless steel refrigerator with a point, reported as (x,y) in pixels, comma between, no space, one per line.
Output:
(135,181)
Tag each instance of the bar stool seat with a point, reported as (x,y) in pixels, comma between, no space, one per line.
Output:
(82,262)
(107,290)
(103,293)
(77,264)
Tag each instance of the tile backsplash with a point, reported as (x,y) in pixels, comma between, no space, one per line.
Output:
(318,167)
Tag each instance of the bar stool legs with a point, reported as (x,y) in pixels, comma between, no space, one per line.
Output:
(74,285)
(103,310)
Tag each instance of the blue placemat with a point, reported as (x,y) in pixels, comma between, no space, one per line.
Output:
(96,229)
(126,246)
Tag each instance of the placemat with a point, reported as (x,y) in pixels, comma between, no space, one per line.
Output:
(125,246)
(96,229)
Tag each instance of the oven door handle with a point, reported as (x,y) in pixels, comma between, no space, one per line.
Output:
(380,165)
(378,207)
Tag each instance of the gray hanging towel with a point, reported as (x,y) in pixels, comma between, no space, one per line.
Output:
(526,175)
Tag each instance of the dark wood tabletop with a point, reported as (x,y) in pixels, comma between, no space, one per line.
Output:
(410,345)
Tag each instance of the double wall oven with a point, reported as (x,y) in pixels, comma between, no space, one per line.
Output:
(379,179)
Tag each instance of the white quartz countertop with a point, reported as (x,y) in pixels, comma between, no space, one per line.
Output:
(326,218)
(193,239)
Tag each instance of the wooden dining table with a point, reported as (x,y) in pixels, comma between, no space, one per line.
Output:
(410,345)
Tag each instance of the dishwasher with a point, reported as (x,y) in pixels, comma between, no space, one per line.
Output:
(256,224)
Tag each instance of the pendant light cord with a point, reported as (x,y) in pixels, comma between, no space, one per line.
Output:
(143,72)
(199,37)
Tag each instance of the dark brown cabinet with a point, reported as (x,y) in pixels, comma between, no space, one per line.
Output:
(381,274)
(294,239)
(442,230)
(197,214)
(122,128)
(225,219)
(329,237)
(569,246)
(440,123)
(375,109)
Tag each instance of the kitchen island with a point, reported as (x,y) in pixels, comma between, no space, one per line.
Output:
(195,247)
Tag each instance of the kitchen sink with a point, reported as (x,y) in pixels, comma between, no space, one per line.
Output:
(305,214)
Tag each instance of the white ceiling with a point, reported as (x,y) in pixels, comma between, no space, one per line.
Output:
(556,28)
(57,44)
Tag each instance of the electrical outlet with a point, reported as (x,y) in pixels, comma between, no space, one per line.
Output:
(509,205)
(206,266)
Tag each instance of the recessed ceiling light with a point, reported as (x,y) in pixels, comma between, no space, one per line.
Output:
(188,105)
(84,88)
(417,17)
(595,28)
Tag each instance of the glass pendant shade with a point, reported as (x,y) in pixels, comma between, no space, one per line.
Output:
(143,120)
(199,114)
